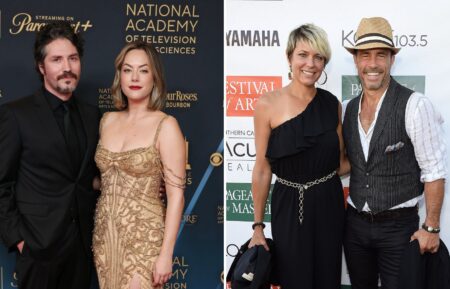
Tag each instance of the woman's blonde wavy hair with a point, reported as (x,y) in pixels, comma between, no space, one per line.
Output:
(158,94)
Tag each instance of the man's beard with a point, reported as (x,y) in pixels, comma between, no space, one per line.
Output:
(69,88)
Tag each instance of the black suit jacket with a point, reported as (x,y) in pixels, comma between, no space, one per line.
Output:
(38,183)
(427,271)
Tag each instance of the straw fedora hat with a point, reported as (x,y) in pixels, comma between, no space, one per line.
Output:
(375,32)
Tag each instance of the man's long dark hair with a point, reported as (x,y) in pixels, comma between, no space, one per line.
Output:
(50,32)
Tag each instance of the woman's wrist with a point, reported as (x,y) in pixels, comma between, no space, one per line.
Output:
(164,253)
(259,225)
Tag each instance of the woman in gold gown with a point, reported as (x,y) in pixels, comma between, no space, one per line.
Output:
(139,146)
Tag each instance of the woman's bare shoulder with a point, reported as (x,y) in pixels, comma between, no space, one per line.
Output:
(269,100)
(110,117)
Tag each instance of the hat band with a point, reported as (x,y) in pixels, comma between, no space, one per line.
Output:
(372,38)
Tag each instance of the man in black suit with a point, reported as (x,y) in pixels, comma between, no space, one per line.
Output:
(47,146)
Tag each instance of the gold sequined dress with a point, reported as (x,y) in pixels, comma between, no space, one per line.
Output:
(129,219)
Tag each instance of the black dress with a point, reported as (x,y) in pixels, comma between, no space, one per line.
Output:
(302,149)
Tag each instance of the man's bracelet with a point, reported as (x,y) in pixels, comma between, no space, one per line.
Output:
(431,229)
(258,224)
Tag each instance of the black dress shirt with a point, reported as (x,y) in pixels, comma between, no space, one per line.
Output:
(57,106)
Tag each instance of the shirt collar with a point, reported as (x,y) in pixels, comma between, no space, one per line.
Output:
(54,101)
(380,102)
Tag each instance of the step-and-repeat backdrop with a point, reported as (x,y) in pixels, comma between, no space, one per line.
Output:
(189,35)
(256,34)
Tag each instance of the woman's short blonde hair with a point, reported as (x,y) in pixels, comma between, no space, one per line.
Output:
(158,94)
(315,36)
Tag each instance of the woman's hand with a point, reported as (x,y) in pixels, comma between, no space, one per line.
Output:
(162,270)
(258,238)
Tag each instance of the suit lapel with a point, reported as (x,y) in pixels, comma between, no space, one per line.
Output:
(386,111)
(89,130)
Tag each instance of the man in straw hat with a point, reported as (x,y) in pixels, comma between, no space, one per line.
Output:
(394,142)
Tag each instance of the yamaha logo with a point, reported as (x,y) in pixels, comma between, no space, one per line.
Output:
(253,38)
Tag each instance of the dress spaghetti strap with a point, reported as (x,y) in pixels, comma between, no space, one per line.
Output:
(159,128)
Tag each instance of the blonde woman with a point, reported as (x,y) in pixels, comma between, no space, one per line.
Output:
(298,137)
(139,146)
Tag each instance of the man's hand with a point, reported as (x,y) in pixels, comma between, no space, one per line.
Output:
(20,246)
(428,242)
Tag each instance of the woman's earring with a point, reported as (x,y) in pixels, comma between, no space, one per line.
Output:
(326,78)
(290,73)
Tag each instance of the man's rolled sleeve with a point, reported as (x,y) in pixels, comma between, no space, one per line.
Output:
(425,129)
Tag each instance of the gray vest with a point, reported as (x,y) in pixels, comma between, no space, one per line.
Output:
(391,174)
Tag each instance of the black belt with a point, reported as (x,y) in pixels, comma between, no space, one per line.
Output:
(387,215)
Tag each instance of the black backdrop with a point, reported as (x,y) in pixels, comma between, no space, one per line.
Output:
(189,36)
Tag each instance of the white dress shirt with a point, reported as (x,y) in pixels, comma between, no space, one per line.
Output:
(423,125)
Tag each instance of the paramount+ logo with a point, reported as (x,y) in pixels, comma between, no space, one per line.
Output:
(25,22)
(242,92)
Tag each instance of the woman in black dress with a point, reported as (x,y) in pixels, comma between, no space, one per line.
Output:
(298,137)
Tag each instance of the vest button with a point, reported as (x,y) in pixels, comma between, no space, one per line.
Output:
(367,186)
(367,174)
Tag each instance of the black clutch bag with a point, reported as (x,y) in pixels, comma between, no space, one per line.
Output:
(252,268)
